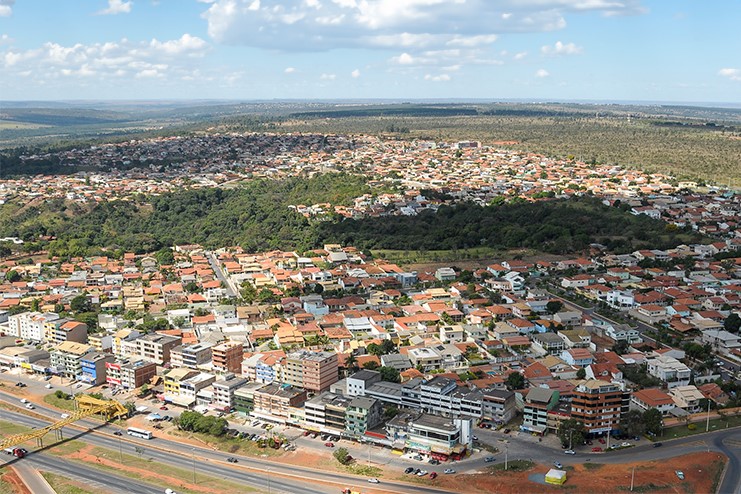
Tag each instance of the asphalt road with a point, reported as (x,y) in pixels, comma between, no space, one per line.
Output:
(231,291)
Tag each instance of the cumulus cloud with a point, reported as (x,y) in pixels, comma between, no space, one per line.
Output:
(437,78)
(289,70)
(519,56)
(116,7)
(541,73)
(355,73)
(561,49)
(318,25)
(6,7)
(732,74)
(328,77)
(123,58)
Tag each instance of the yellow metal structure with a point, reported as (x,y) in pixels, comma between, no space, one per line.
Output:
(86,407)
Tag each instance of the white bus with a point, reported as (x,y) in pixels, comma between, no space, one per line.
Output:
(133,431)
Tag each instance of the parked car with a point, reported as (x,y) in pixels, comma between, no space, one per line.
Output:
(570,452)
(507,431)
(433,461)
(680,474)
(626,444)
(601,441)
(48,386)
(657,445)
(416,471)
(409,470)
(433,475)
(449,470)
(475,438)
(557,464)
(163,407)
(117,433)
(596,449)
(489,459)
(306,433)
(421,473)
(329,445)
(231,459)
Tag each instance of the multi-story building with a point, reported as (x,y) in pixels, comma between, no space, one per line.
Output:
(223,390)
(154,347)
(425,359)
(357,383)
(244,397)
(130,376)
(687,398)
(274,401)
(538,402)
(438,437)
(30,325)
(362,415)
(314,371)
(499,405)
(66,358)
(599,405)
(68,331)
(190,355)
(195,389)
(325,412)
(174,379)
(645,399)
(93,367)
(670,370)
(227,357)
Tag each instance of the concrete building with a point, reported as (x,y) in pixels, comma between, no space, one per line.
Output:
(438,437)
(130,376)
(599,405)
(66,358)
(363,414)
(190,355)
(645,399)
(360,381)
(274,401)
(154,347)
(68,331)
(227,357)
(313,371)
(537,403)
(224,388)
(93,367)
(670,370)
(326,413)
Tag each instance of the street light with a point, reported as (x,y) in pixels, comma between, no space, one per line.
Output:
(193,456)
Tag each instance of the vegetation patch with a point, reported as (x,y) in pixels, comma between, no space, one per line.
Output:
(364,470)
(64,485)
(513,466)
(593,466)
(59,399)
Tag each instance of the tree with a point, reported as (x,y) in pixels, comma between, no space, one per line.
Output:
(12,276)
(632,423)
(373,349)
(389,374)
(554,306)
(515,380)
(351,362)
(581,373)
(732,324)
(371,365)
(165,257)
(653,421)
(90,319)
(621,347)
(342,456)
(80,304)
(572,432)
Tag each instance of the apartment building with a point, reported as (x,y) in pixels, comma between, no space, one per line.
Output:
(30,325)
(599,405)
(190,355)
(244,397)
(65,330)
(131,375)
(425,359)
(360,381)
(274,401)
(227,357)
(326,412)
(537,403)
(154,347)
(670,370)
(363,414)
(438,437)
(93,367)
(66,358)
(224,388)
(313,371)
(498,405)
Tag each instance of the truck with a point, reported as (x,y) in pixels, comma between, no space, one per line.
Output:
(17,452)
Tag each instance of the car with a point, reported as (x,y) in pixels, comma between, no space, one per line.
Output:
(47,378)
(79,385)
(601,441)
(570,452)
(489,459)
(48,386)
(313,436)
(475,438)
(118,433)
(596,449)
(507,431)
(421,473)
(374,481)
(170,491)
(433,461)
(417,457)
(557,464)
(20,384)
(231,459)
(626,445)
(306,433)
(163,407)
(65,415)
(449,470)
(680,474)
(416,471)
(24,401)
(409,470)
(657,445)
(329,445)
(636,438)
(30,406)
(433,475)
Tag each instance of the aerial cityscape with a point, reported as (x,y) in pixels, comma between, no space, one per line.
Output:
(365,247)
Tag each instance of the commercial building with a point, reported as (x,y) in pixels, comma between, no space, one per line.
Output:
(326,412)
(599,405)
(538,402)
(66,358)
(153,347)
(274,401)
(313,371)
(93,367)
(362,415)
(224,388)
(360,381)
(190,355)
(131,375)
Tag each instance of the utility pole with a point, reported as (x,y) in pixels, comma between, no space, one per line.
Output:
(571,433)
(506,454)
(707,419)
(193,456)
(632,478)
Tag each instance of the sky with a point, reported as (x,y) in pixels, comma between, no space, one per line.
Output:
(539,50)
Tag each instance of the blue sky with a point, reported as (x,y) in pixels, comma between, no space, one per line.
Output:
(639,50)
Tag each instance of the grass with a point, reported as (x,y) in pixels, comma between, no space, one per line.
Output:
(62,403)
(160,469)
(592,466)
(10,428)
(5,486)
(229,445)
(364,470)
(715,424)
(513,466)
(64,485)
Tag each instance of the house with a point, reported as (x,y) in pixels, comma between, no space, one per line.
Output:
(687,398)
(646,399)
(722,341)
(547,343)
(579,357)
(670,370)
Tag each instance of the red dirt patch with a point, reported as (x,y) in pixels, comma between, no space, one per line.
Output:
(15,482)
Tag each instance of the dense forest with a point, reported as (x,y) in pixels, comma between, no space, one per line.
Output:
(257,217)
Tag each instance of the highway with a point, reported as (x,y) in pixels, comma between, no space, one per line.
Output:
(257,473)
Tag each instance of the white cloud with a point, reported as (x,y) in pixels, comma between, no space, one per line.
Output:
(122,58)
(561,49)
(328,77)
(403,59)
(318,25)
(732,74)
(541,73)
(355,73)
(437,78)
(116,7)
(6,7)
(520,55)
(289,70)
(5,39)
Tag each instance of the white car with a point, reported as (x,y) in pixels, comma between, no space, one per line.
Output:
(570,452)
(449,470)
(422,473)
(625,445)
(65,415)
(680,474)
(48,386)
(30,406)
(24,401)
(374,481)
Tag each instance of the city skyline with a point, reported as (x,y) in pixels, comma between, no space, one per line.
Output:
(557,50)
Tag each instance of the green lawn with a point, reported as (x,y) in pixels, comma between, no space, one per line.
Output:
(715,424)
(62,403)
(64,485)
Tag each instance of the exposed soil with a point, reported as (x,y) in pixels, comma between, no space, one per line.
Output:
(15,481)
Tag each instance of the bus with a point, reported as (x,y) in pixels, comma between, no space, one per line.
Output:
(133,431)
